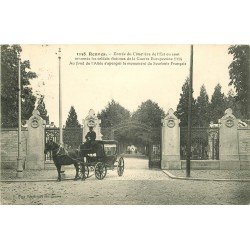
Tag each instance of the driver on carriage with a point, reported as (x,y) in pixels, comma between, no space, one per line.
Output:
(90,138)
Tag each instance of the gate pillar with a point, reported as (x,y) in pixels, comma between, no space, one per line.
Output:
(35,142)
(229,151)
(170,142)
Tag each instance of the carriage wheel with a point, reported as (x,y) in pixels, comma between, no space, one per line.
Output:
(120,167)
(83,172)
(100,170)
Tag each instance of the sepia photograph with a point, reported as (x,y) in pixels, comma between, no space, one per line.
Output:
(124,125)
(118,124)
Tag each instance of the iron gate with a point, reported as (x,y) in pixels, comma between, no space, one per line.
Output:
(55,135)
(204,143)
(154,155)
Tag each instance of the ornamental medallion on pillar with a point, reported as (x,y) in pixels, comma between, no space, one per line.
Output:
(170,120)
(230,122)
(35,120)
(171,123)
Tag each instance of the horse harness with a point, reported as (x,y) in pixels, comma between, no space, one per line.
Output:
(61,151)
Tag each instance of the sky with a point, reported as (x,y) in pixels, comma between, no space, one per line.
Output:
(92,87)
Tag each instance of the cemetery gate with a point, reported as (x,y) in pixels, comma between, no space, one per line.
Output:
(149,137)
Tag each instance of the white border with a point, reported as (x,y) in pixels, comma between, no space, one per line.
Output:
(126,22)
(119,22)
(124,227)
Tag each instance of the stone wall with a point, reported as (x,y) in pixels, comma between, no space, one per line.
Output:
(9,147)
(234,145)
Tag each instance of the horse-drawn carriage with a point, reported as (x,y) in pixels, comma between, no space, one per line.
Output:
(99,156)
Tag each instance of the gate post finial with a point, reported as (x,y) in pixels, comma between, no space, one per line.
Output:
(170,120)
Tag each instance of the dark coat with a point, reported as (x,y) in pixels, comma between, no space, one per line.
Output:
(90,136)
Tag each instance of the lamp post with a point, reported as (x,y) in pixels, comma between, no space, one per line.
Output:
(19,162)
(190,96)
(60,99)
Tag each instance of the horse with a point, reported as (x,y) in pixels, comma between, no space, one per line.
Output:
(61,157)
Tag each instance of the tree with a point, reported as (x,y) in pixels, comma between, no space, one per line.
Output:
(42,109)
(218,104)
(9,88)
(182,107)
(113,114)
(149,113)
(239,75)
(233,104)
(201,109)
(72,121)
(72,134)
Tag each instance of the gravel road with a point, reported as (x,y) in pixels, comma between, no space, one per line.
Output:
(138,185)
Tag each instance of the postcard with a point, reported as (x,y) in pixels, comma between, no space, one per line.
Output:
(125,124)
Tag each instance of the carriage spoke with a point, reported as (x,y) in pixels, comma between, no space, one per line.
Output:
(100,170)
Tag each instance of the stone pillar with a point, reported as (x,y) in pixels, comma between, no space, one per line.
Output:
(91,121)
(229,151)
(170,142)
(35,142)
